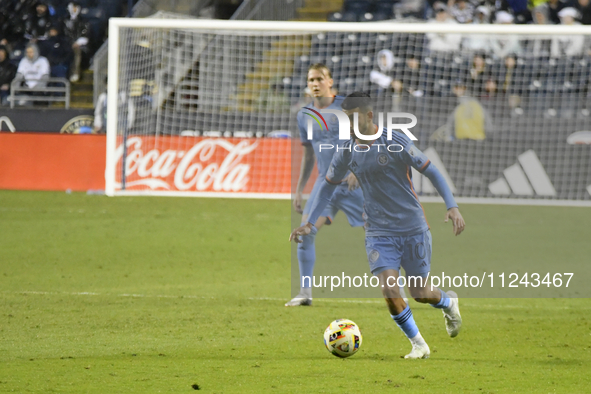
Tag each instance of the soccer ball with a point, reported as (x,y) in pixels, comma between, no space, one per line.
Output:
(342,338)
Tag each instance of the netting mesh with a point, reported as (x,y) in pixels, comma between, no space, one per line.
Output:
(503,116)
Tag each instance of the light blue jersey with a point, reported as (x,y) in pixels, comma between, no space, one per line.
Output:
(350,202)
(328,134)
(384,173)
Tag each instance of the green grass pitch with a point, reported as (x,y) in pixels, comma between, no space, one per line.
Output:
(170,295)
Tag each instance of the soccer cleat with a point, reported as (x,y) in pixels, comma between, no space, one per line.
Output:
(419,351)
(299,300)
(453,319)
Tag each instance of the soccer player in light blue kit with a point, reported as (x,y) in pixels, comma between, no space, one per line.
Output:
(347,198)
(397,232)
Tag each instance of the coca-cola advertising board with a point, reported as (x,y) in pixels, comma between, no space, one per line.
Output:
(164,164)
(204,164)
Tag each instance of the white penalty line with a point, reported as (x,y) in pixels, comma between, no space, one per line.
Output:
(89,293)
(131,295)
(274,299)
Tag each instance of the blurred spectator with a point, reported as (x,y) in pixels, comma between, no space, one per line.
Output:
(33,69)
(384,77)
(58,50)
(406,79)
(443,42)
(462,11)
(477,74)
(584,8)
(459,89)
(490,87)
(520,11)
(398,77)
(5,22)
(7,74)
(501,46)
(540,46)
(540,14)
(508,83)
(479,42)
(38,22)
(536,3)
(402,78)
(508,73)
(554,7)
(467,120)
(77,31)
(498,5)
(410,8)
(19,12)
(481,15)
(571,45)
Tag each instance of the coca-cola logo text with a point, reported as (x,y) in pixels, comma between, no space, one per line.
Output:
(210,165)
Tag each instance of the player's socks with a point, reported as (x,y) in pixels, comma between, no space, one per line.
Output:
(406,322)
(307,257)
(306,260)
(444,302)
(306,292)
(418,340)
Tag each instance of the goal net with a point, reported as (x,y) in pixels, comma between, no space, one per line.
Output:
(208,108)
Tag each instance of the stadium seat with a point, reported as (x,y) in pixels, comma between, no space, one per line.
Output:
(350,16)
(367,17)
(356,6)
(380,16)
(385,8)
(335,17)
(110,8)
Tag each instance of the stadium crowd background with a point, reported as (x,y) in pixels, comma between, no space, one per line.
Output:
(63,35)
(465,11)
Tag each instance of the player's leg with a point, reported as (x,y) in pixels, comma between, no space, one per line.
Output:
(417,264)
(306,260)
(384,255)
(306,251)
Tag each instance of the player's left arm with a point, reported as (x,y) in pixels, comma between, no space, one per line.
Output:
(442,187)
(417,159)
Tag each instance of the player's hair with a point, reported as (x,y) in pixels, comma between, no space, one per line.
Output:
(359,100)
(322,68)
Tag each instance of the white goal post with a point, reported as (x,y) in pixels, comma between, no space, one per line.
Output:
(208,108)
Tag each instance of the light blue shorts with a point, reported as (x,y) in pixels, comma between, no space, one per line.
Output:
(413,253)
(350,202)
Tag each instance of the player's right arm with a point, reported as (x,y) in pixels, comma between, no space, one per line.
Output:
(336,172)
(306,167)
